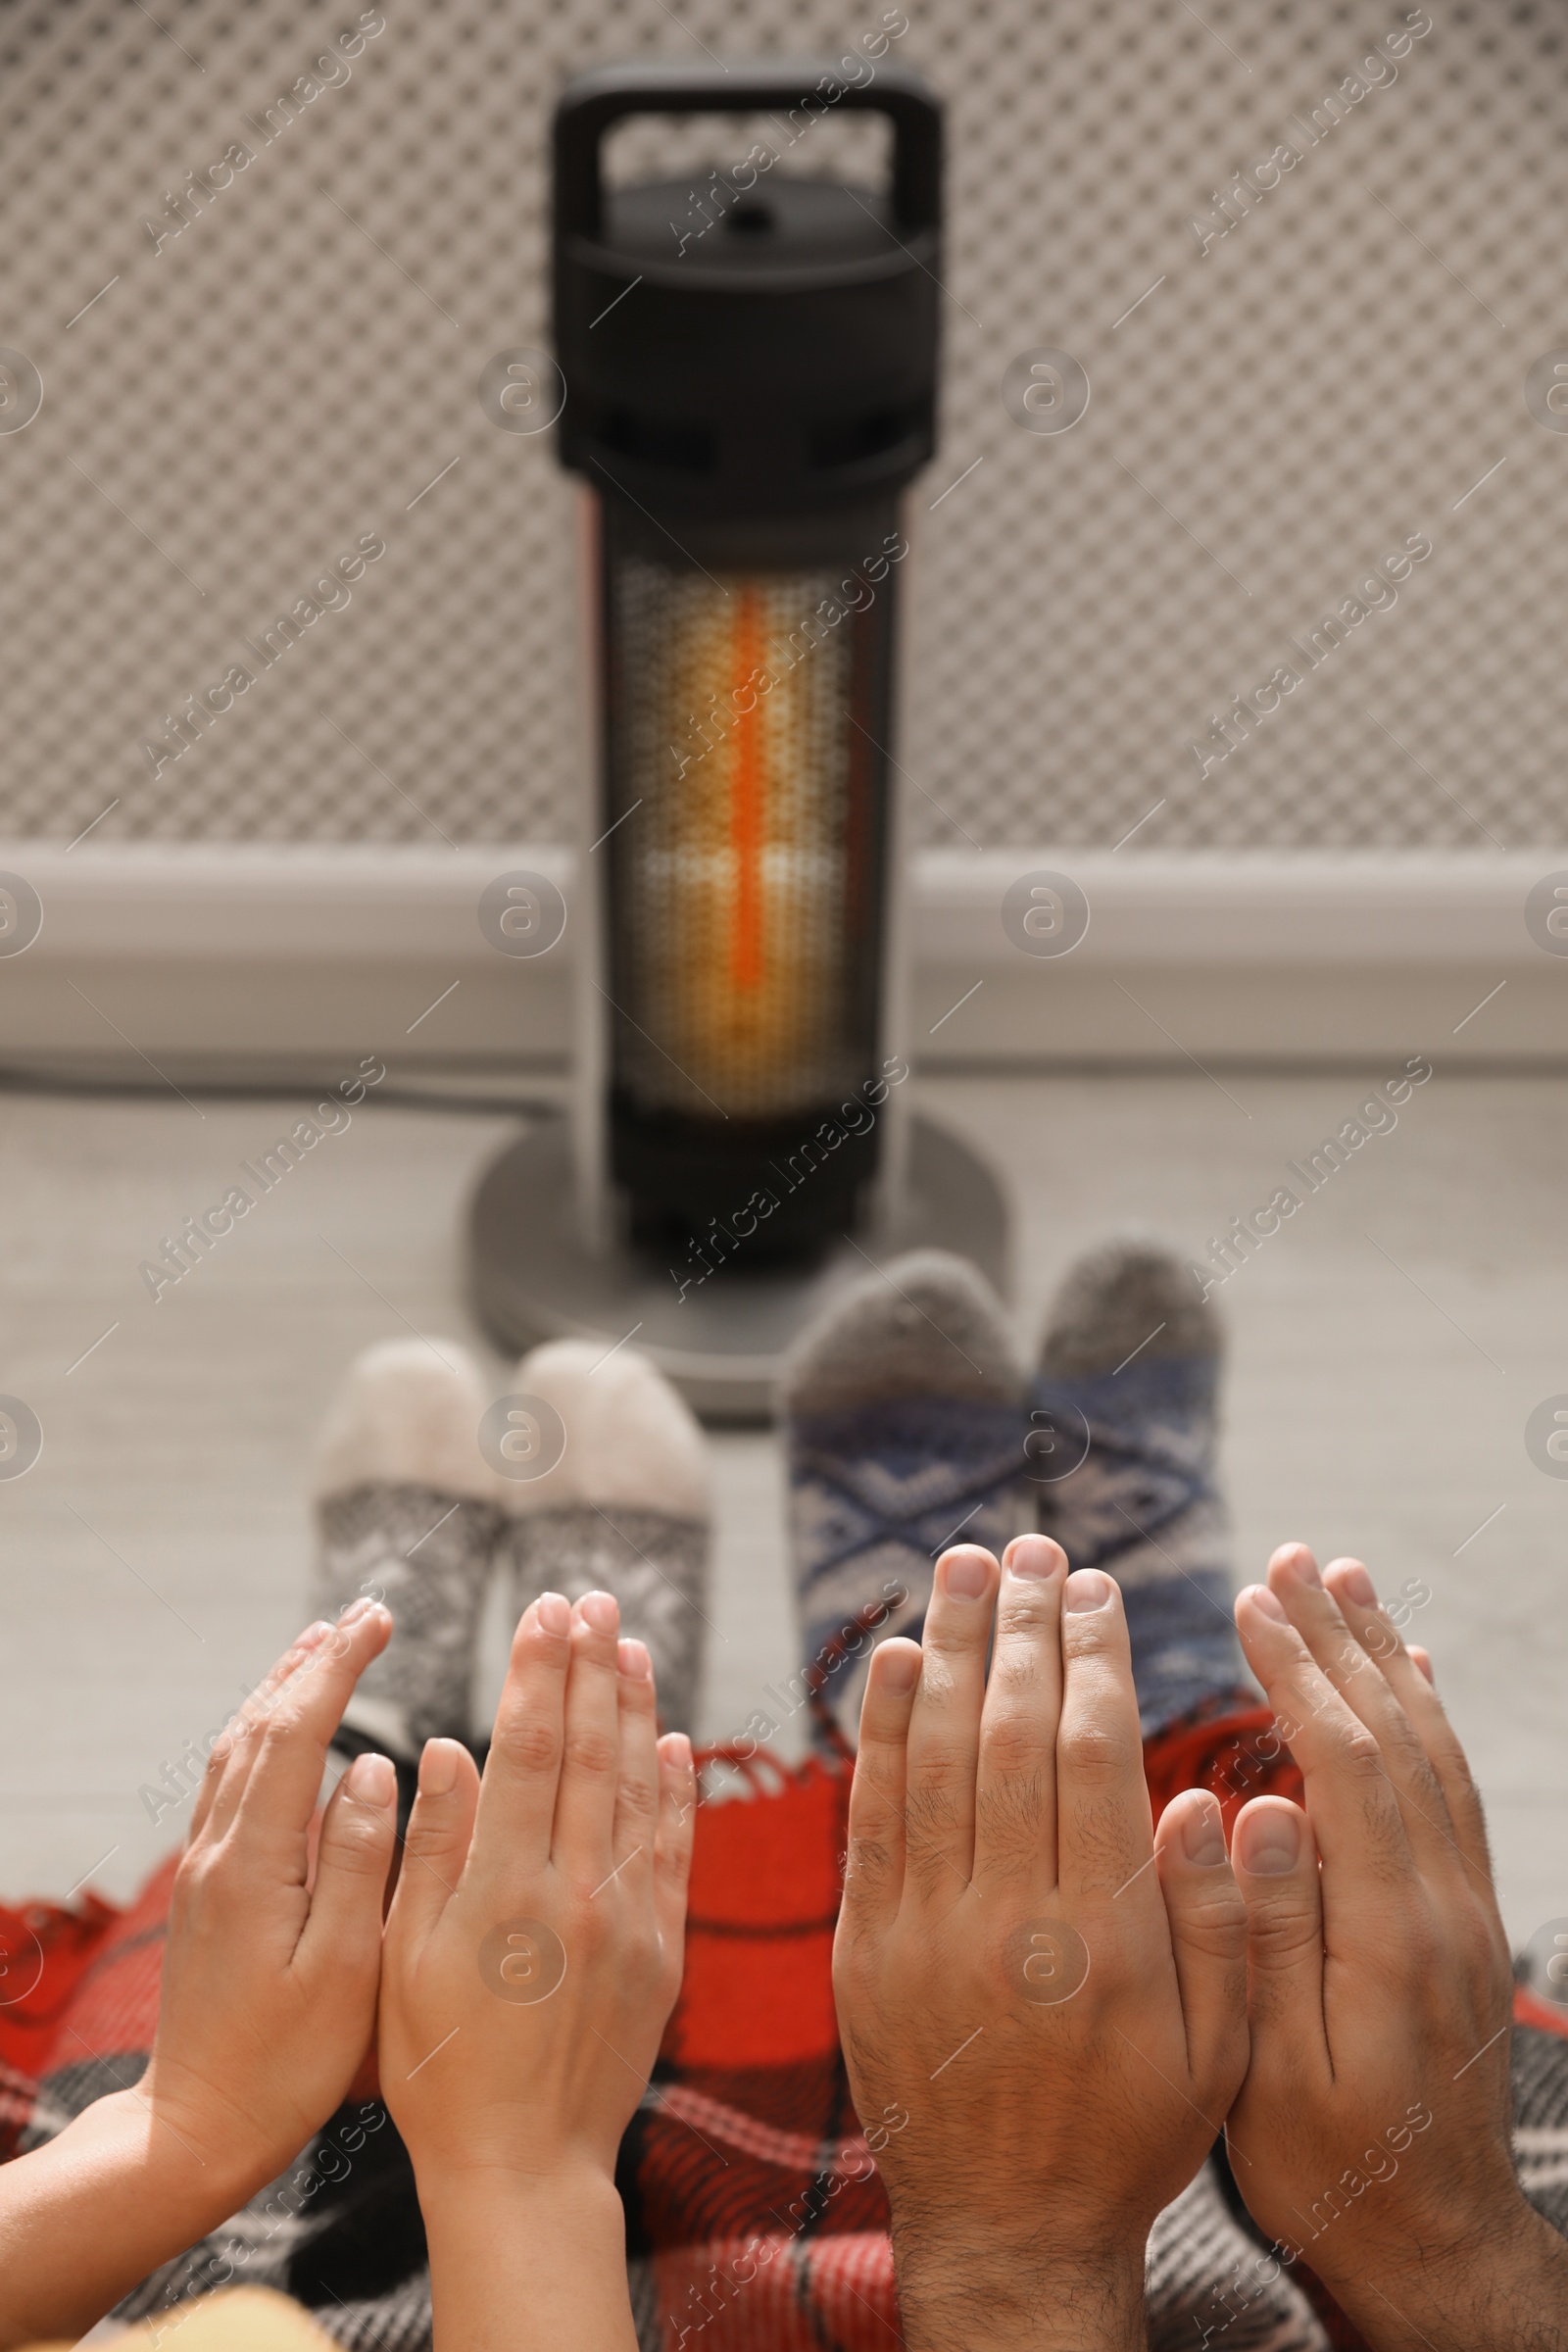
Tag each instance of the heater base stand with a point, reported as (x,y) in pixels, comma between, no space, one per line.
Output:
(532,1279)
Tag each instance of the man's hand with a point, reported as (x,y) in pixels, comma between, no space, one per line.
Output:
(1372,2133)
(533,1953)
(1053,1993)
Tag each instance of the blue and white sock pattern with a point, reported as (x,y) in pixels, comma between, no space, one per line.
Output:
(904,1414)
(1141,1505)
(1142,1501)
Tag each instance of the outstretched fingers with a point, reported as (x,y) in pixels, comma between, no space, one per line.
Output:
(359,1837)
(944,1742)
(233,1751)
(1354,1813)
(875,1859)
(288,1753)
(1275,1861)
(435,1849)
(523,1770)
(1408,1675)
(1015,1793)
(590,1761)
(673,1837)
(1105,1828)
(636,1814)
(1207,1938)
(1350,1664)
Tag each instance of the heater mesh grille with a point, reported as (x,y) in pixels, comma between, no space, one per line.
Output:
(1268,418)
(735,904)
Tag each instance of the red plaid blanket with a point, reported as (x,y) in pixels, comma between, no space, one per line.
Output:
(756,2215)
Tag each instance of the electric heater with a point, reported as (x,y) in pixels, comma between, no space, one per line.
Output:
(750,372)
(751,365)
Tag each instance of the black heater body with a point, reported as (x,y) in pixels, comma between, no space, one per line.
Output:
(751,371)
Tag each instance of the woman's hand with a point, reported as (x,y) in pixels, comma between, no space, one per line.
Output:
(268,2004)
(1052,1993)
(1372,2135)
(533,1954)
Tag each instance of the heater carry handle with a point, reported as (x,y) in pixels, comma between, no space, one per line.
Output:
(592,103)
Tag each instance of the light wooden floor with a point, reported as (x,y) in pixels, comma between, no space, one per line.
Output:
(1388,1346)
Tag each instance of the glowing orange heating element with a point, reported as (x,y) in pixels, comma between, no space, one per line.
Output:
(747,800)
(734,932)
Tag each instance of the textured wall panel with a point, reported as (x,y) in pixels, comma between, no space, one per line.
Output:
(1293,401)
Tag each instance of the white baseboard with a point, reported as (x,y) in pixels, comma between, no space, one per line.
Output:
(246,953)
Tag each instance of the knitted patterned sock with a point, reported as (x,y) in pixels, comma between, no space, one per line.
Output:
(1125,1402)
(625,1509)
(903,1425)
(406,1510)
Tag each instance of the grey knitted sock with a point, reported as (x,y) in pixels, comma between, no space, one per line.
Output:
(623,1507)
(1122,1447)
(904,1424)
(407,1512)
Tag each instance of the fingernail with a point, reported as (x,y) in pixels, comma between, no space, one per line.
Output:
(1034,1556)
(554,1614)
(1359,1586)
(1203,1833)
(355,1611)
(371,1781)
(899,1670)
(598,1610)
(314,1634)
(1270,1843)
(678,1750)
(1263,1600)
(1087,1589)
(965,1573)
(634,1659)
(438,1768)
(1301,1565)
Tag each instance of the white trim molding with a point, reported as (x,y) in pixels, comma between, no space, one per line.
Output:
(245,952)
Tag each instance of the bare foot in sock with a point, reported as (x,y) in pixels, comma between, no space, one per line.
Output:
(625,1509)
(406,1511)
